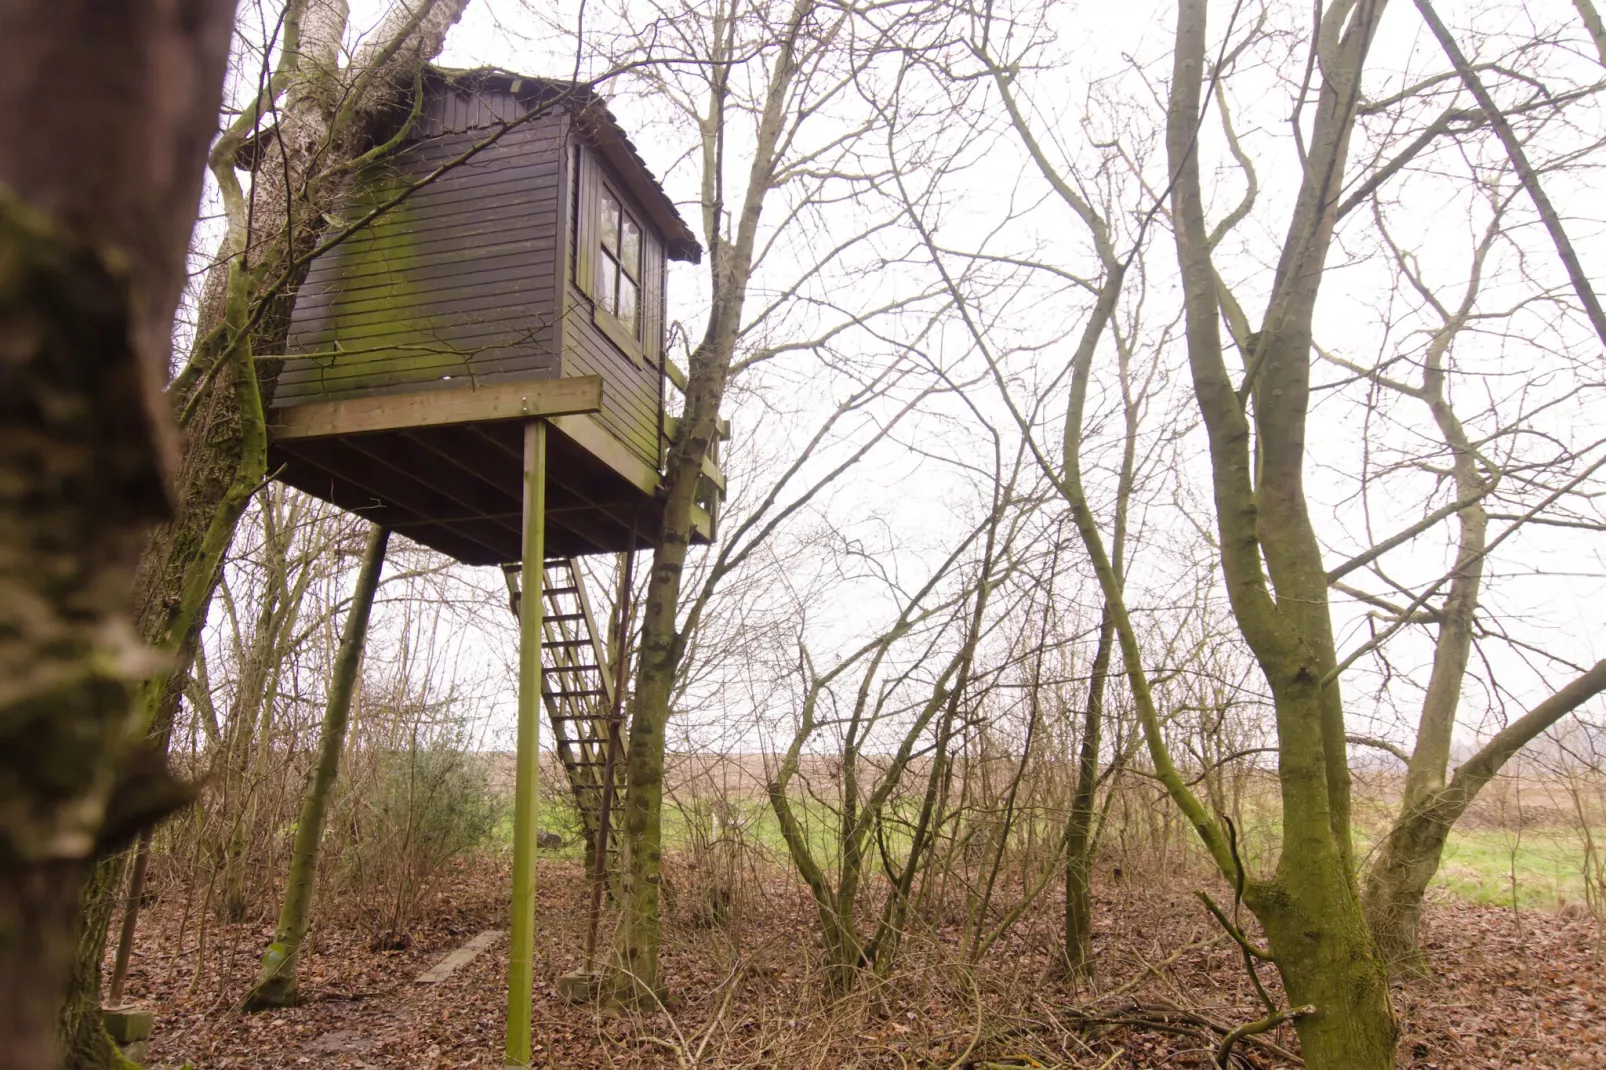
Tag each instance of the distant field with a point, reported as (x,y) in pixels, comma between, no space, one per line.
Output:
(1519,843)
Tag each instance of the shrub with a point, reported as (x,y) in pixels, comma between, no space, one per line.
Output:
(407,814)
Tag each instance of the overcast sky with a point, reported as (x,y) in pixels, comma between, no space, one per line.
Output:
(1098,70)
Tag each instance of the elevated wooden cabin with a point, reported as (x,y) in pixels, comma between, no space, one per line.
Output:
(514,268)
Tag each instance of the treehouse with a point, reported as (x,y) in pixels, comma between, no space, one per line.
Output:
(504,263)
(477,359)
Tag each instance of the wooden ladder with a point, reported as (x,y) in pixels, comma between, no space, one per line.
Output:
(577,688)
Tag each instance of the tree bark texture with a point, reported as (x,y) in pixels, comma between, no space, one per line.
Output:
(84,1041)
(1310,907)
(276,983)
(326,116)
(105,114)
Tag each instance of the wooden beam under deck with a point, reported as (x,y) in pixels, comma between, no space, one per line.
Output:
(446,468)
(520,400)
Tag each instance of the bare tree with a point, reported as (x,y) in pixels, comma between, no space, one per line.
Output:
(753,82)
(1491,471)
(1269,557)
(920,704)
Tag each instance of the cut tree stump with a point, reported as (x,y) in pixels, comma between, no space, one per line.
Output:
(130,1029)
(456,960)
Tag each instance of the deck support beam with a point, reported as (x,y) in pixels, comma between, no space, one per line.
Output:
(521,952)
(519,400)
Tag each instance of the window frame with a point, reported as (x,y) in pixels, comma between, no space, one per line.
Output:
(594,184)
(610,265)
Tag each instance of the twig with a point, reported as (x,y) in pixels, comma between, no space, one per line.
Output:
(1519,162)
(1249,1029)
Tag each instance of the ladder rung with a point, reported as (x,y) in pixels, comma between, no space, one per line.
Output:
(554,617)
(559,590)
(566,642)
(574,694)
(567,668)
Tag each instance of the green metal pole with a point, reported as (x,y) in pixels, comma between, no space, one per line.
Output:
(521,931)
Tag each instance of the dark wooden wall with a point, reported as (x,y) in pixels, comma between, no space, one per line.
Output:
(633,391)
(459,281)
(473,276)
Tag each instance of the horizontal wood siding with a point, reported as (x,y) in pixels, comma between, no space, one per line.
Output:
(456,282)
(630,399)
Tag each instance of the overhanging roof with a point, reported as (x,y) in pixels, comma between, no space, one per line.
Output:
(601,130)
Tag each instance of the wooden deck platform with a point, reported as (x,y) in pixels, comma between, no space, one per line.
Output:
(445,468)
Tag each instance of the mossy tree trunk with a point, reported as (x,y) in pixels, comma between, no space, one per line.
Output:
(1271,561)
(1269,558)
(276,982)
(324,117)
(1409,856)
(105,114)
(85,1042)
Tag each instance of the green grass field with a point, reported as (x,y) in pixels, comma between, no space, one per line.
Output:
(1539,868)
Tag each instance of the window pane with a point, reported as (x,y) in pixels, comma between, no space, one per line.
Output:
(610,223)
(610,283)
(627,305)
(630,248)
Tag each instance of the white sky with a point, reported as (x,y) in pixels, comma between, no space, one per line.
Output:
(1102,66)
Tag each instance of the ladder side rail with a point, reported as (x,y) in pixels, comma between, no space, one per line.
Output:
(597,646)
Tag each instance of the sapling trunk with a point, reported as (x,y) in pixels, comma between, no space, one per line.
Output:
(1079,826)
(276,983)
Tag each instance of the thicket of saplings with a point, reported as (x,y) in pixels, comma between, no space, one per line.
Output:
(422,785)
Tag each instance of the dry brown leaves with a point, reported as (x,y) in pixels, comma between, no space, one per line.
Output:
(1507,991)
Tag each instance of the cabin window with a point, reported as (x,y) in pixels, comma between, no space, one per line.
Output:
(620,284)
(618,264)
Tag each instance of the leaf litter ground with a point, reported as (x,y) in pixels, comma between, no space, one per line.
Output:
(1507,990)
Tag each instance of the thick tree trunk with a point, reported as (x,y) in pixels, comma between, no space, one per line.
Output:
(105,114)
(38,907)
(276,983)
(84,1041)
(326,116)
(1271,561)
(1324,954)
